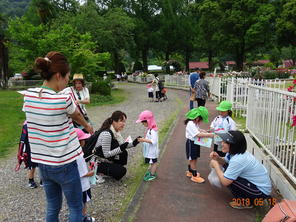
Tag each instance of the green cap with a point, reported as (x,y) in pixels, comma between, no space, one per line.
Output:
(196,112)
(224,106)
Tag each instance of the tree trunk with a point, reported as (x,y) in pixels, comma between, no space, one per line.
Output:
(187,58)
(210,59)
(240,58)
(4,65)
(116,62)
(167,58)
(145,60)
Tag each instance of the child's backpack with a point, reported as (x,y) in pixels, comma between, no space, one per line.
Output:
(283,211)
(90,143)
(24,151)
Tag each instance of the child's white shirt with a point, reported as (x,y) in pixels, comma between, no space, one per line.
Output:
(82,168)
(150,150)
(192,130)
(223,124)
(150,89)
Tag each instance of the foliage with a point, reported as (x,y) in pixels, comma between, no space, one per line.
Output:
(29,41)
(117,96)
(11,120)
(12,8)
(101,87)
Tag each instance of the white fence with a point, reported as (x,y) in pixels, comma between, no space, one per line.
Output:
(269,120)
(232,89)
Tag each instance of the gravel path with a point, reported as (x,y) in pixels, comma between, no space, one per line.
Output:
(20,203)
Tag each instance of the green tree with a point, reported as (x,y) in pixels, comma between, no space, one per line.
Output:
(115,34)
(209,34)
(286,28)
(3,54)
(246,25)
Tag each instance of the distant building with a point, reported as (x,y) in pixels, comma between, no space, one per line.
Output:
(200,65)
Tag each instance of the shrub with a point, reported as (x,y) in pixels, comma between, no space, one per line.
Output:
(101,87)
(269,75)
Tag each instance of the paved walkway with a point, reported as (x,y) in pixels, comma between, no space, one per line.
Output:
(173,197)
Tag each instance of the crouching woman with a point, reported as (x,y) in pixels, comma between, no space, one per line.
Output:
(244,175)
(111,146)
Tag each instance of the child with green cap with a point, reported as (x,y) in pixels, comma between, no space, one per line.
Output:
(222,124)
(193,118)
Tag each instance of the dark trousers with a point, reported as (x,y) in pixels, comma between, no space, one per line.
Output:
(115,169)
(244,189)
(201,102)
(191,103)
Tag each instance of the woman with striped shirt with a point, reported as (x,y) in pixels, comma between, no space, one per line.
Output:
(54,143)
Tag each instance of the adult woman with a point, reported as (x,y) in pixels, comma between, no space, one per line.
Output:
(53,141)
(202,90)
(79,93)
(111,146)
(246,177)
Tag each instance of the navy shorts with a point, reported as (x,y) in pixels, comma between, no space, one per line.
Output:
(86,196)
(192,150)
(150,160)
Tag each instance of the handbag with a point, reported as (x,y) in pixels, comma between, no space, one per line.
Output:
(192,97)
(284,211)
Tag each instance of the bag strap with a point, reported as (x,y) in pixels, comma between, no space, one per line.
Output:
(79,108)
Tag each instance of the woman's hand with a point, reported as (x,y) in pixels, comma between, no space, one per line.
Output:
(136,141)
(214,155)
(89,129)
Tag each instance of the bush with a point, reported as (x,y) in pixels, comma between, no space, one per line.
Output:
(101,87)
(269,75)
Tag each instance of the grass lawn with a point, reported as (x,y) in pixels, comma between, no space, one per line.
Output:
(12,116)
(11,120)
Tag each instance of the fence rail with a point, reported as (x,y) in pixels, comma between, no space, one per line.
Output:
(269,120)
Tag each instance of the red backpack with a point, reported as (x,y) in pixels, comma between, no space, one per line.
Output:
(24,151)
(285,211)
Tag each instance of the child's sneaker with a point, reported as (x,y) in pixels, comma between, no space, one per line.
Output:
(147,174)
(99,179)
(189,174)
(32,185)
(150,177)
(89,219)
(198,179)
(41,183)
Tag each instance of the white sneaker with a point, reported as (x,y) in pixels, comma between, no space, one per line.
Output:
(99,179)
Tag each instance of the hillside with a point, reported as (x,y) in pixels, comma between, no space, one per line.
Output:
(11,8)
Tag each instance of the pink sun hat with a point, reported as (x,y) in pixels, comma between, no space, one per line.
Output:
(148,116)
(81,135)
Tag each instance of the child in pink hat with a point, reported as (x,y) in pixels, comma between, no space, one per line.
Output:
(150,143)
(84,175)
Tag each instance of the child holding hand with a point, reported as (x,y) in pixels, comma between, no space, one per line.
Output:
(193,118)
(150,143)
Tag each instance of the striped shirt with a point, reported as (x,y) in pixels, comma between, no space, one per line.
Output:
(50,129)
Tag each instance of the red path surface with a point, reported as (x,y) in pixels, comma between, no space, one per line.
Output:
(173,197)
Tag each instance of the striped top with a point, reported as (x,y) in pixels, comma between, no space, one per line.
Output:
(52,137)
(105,140)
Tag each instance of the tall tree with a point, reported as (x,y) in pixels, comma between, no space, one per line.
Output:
(3,54)
(209,28)
(286,28)
(246,25)
(144,12)
(115,34)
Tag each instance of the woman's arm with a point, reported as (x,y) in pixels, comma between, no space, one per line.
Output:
(205,134)
(105,138)
(224,181)
(215,156)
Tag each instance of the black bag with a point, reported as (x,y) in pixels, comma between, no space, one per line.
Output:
(89,147)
